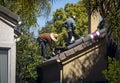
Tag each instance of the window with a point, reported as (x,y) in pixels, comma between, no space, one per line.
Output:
(3,65)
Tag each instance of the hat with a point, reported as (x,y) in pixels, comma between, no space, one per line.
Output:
(54,36)
(73,16)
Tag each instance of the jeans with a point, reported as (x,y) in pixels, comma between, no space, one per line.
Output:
(70,34)
(43,47)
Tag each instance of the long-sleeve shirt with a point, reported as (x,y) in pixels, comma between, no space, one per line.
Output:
(45,37)
(70,23)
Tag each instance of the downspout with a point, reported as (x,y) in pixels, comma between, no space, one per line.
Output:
(61,71)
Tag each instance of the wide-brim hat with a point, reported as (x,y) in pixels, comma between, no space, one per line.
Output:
(54,36)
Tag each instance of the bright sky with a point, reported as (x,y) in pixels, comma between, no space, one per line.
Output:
(56,5)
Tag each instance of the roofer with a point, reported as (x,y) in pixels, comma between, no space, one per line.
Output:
(46,38)
(70,25)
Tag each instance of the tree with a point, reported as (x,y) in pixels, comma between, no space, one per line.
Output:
(112,74)
(81,20)
(28,58)
(28,10)
(60,15)
(28,54)
(110,12)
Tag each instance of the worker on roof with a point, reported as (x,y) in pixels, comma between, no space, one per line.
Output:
(70,25)
(46,38)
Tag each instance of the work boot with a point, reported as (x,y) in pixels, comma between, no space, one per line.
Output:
(45,59)
(53,53)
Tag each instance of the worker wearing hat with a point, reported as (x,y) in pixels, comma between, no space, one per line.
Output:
(46,38)
(70,25)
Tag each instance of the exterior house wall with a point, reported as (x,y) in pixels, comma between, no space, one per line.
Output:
(6,33)
(86,66)
(11,47)
(7,42)
(50,73)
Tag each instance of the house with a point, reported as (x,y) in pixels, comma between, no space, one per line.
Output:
(9,35)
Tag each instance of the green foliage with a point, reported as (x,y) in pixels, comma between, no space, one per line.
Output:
(112,74)
(81,20)
(71,9)
(60,15)
(115,22)
(28,10)
(28,58)
(28,52)
(109,9)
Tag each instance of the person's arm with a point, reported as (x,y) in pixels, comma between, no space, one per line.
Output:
(65,23)
(73,25)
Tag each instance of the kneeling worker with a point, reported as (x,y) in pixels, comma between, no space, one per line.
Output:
(46,38)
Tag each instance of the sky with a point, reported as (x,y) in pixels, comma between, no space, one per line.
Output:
(56,5)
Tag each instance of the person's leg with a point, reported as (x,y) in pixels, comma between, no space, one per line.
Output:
(69,37)
(38,41)
(43,50)
(75,35)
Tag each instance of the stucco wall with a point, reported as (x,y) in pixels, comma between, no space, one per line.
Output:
(6,33)
(86,66)
(50,73)
(7,42)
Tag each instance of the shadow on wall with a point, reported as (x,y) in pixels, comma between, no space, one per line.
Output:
(88,70)
(40,73)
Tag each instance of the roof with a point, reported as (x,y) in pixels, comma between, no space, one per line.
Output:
(11,17)
(73,52)
(81,45)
